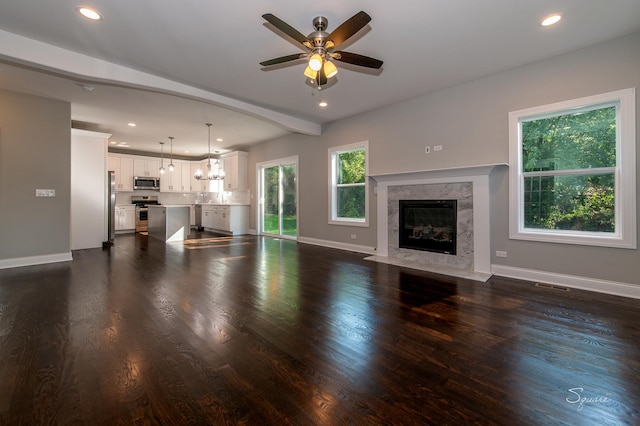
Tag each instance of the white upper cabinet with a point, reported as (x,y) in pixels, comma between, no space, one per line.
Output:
(182,178)
(172,181)
(146,166)
(185,177)
(235,169)
(123,168)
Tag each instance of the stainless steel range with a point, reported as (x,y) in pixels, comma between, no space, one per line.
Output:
(142,202)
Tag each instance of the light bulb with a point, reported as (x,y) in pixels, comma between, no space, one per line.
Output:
(551,20)
(330,69)
(89,13)
(315,62)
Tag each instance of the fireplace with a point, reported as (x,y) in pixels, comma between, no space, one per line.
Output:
(470,187)
(428,225)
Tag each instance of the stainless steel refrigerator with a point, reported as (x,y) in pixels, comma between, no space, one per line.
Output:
(111,208)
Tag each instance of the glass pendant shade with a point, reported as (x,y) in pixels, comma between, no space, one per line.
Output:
(310,73)
(330,69)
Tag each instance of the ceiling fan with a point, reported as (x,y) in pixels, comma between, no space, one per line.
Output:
(319,46)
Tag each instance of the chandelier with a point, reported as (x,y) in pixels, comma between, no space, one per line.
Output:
(214,171)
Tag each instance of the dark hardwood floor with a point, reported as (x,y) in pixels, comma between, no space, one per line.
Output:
(259,331)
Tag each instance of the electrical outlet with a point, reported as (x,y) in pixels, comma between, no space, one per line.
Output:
(354,236)
(500,253)
(427,149)
(437,147)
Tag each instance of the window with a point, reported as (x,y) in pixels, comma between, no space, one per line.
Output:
(348,187)
(572,171)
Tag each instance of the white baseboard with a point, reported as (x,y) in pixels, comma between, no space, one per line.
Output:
(35,260)
(582,283)
(337,245)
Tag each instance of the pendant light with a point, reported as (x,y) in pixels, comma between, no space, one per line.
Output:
(214,172)
(161,158)
(171,166)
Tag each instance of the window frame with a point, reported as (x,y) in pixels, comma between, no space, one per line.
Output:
(625,235)
(333,154)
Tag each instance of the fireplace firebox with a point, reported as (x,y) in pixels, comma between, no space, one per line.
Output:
(428,225)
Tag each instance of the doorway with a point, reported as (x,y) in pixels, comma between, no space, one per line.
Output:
(279,198)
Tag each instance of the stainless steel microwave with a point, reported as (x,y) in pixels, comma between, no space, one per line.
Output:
(145,182)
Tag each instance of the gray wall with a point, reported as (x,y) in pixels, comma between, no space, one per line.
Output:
(470,121)
(35,152)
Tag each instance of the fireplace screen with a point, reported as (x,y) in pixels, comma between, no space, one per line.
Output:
(428,225)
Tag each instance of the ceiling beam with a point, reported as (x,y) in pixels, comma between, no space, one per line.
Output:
(46,57)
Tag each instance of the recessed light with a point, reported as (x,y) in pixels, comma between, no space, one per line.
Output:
(113,142)
(322,104)
(219,139)
(551,20)
(89,13)
(131,124)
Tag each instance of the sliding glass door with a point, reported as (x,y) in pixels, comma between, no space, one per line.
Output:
(279,197)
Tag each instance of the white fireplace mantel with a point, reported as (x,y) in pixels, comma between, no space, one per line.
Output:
(479,177)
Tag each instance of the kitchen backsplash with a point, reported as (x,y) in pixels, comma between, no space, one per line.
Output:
(233,197)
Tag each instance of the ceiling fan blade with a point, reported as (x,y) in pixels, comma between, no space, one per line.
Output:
(349,28)
(285,28)
(281,59)
(355,59)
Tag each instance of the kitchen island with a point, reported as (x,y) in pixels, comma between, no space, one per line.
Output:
(169,222)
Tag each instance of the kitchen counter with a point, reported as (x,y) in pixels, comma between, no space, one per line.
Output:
(222,204)
(230,219)
(169,222)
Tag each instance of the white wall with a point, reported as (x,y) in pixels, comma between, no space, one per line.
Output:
(88,189)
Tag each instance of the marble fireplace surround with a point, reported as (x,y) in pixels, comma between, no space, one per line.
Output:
(470,186)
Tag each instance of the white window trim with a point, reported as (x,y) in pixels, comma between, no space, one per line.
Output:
(333,219)
(625,174)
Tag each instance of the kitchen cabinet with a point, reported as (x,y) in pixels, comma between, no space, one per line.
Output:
(185,177)
(233,219)
(169,222)
(125,218)
(146,166)
(196,185)
(235,169)
(204,185)
(172,181)
(123,168)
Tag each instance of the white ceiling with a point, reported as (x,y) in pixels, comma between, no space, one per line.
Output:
(171,66)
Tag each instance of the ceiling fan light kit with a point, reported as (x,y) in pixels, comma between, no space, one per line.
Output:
(319,47)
